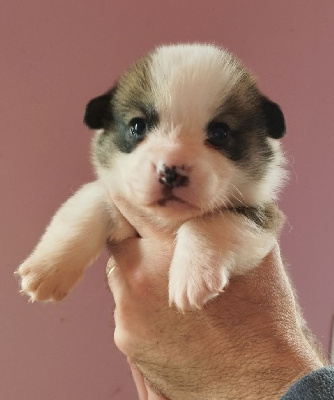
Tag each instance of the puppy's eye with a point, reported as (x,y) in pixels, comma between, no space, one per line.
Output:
(138,127)
(217,132)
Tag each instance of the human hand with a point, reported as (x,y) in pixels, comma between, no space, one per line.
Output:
(247,343)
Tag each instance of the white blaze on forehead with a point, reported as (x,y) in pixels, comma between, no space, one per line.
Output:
(190,82)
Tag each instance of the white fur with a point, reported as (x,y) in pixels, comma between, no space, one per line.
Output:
(191,96)
(72,241)
(208,251)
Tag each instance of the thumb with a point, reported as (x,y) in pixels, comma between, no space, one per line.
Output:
(143,389)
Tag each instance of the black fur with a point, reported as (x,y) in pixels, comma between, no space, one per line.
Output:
(266,216)
(124,140)
(274,118)
(98,113)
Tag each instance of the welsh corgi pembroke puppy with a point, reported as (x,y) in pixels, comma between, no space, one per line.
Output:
(186,136)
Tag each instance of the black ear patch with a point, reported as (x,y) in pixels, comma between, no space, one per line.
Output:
(99,111)
(274,118)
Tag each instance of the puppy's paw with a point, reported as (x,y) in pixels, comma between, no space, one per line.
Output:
(42,281)
(191,285)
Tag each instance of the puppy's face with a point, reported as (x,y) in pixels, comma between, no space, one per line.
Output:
(186,131)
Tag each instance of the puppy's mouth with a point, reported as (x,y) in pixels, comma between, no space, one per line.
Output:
(169,200)
(175,203)
(163,201)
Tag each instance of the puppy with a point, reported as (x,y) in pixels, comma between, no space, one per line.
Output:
(186,136)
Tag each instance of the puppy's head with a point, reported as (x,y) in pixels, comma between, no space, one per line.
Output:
(186,131)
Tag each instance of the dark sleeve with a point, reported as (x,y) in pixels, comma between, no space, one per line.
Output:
(318,385)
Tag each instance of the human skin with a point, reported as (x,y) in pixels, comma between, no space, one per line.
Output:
(247,343)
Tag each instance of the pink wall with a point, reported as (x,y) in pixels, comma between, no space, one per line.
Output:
(54,56)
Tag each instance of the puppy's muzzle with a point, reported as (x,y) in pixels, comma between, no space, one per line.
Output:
(172,177)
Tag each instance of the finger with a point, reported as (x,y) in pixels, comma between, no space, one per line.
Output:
(138,278)
(122,264)
(111,265)
(154,396)
(141,264)
(139,381)
(144,390)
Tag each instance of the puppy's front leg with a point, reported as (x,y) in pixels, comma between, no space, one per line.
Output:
(71,242)
(212,248)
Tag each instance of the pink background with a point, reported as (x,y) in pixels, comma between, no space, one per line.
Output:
(55,56)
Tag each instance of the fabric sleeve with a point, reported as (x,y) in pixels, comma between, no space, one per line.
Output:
(318,385)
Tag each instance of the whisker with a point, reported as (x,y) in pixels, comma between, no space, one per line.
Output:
(222,203)
(238,191)
(239,201)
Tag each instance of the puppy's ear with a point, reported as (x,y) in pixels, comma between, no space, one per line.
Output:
(274,118)
(99,111)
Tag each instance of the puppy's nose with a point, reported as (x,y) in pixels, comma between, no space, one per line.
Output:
(173,176)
